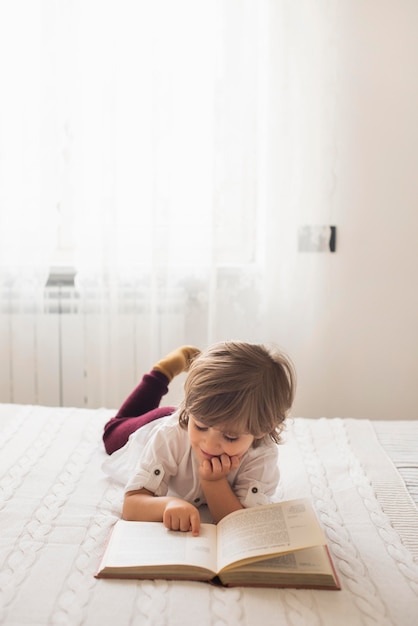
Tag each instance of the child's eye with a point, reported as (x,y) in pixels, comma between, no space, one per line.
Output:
(200,428)
(230,439)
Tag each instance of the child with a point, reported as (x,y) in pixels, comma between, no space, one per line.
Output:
(219,448)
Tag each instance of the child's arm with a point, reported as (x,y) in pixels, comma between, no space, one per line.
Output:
(176,514)
(219,495)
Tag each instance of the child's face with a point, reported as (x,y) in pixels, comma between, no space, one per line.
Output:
(208,442)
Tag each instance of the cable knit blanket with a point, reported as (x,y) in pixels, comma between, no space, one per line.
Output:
(57,508)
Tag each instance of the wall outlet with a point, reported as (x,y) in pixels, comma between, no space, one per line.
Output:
(317,238)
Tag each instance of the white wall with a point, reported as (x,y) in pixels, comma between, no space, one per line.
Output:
(351,325)
(357,353)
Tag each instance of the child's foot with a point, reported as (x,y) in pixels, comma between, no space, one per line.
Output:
(177,361)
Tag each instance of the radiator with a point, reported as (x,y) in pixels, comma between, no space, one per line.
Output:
(90,348)
(68,353)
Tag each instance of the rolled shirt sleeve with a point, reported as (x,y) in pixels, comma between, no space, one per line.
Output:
(159,461)
(258,476)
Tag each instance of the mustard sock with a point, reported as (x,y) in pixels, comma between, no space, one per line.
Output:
(177,361)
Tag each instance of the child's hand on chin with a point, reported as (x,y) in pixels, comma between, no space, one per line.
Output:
(218,467)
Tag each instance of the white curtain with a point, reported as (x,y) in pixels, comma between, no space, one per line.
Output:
(165,153)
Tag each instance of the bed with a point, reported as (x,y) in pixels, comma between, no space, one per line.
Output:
(57,508)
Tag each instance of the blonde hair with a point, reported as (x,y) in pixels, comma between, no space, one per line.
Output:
(243,385)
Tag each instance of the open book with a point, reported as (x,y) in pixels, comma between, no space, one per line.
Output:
(276,545)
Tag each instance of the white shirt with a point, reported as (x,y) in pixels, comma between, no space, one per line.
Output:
(158,457)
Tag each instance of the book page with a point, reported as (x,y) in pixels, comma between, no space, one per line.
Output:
(271,529)
(150,543)
(309,568)
(313,560)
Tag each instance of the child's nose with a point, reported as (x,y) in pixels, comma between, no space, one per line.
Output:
(213,441)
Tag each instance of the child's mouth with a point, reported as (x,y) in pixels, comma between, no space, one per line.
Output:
(208,456)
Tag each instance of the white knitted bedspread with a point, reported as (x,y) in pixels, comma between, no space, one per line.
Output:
(57,508)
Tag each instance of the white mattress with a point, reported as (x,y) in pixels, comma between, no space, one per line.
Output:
(56,510)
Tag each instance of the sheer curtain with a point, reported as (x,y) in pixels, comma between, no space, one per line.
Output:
(163,153)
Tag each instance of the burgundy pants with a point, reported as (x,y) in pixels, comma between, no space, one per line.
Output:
(140,408)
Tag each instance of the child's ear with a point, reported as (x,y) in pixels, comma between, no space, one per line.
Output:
(260,436)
